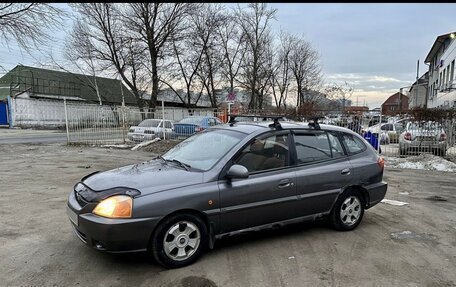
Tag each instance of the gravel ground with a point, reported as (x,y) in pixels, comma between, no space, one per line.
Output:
(409,245)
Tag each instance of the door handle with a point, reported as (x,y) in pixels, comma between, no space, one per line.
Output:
(345,171)
(285,183)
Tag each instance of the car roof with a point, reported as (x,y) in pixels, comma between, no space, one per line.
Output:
(251,127)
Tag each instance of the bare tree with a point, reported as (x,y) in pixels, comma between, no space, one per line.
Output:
(155,24)
(28,24)
(210,18)
(99,34)
(233,45)
(195,56)
(339,93)
(281,75)
(305,68)
(188,56)
(254,24)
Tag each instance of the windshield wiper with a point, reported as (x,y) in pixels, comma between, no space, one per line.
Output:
(160,157)
(184,165)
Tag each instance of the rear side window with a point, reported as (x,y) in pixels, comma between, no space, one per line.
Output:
(336,146)
(312,147)
(353,144)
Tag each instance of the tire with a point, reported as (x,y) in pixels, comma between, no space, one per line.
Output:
(354,214)
(188,229)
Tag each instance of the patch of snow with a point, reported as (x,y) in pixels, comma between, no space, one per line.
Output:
(394,202)
(143,144)
(422,161)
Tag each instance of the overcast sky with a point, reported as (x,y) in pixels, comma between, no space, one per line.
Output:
(374,47)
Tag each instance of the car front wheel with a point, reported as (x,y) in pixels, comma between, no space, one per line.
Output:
(179,241)
(348,211)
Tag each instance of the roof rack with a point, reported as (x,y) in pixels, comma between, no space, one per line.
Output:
(275,119)
(315,123)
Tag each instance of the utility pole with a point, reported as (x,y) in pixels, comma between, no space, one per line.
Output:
(417,75)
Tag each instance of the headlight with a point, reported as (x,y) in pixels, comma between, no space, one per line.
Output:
(118,206)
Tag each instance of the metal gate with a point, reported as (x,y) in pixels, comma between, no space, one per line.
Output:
(3,113)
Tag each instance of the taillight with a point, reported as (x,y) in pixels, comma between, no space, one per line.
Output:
(408,136)
(381,162)
(442,137)
(198,129)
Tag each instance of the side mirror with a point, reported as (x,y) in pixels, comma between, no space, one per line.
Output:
(237,171)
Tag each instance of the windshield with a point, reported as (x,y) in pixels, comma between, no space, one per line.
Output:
(203,150)
(191,121)
(149,123)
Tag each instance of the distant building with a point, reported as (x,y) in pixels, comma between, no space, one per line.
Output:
(34,97)
(442,83)
(37,83)
(418,92)
(395,104)
(356,110)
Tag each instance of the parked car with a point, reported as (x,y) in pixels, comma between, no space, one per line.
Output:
(190,125)
(150,129)
(228,179)
(389,132)
(422,137)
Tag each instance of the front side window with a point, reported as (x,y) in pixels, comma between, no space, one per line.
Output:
(336,146)
(265,154)
(312,147)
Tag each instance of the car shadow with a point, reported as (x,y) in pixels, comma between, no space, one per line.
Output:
(143,260)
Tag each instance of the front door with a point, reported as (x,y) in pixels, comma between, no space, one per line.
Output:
(269,193)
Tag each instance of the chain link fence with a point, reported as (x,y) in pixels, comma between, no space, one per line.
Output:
(402,135)
(120,125)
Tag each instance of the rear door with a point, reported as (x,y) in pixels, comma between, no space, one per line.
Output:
(323,170)
(365,168)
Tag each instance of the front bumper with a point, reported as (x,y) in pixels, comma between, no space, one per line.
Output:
(376,192)
(139,137)
(106,234)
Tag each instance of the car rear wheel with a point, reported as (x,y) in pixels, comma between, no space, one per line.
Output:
(179,241)
(348,211)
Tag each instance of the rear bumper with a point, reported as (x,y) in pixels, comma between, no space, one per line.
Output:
(424,145)
(110,235)
(376,192)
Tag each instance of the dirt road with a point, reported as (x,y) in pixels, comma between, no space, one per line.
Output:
(410,245)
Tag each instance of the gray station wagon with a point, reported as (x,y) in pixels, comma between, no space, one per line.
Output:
(228,179)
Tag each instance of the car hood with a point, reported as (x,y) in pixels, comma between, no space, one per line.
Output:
(147,177)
